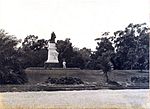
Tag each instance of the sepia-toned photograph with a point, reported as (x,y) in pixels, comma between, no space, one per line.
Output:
(74,54)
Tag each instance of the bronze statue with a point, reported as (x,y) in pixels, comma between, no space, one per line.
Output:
(53,36)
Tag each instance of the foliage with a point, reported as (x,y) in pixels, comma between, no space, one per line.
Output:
(103,54)
(86,56)
(140,79)
(132,47)
(66,52)
(103,46)
(34,52)
(65,80)
(10,69)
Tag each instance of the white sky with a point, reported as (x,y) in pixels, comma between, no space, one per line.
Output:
(80,20)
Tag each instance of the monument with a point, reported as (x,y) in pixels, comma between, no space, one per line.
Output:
(52,60)
(52,67)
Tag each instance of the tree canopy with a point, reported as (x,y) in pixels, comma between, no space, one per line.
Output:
(10,70)
(132,47)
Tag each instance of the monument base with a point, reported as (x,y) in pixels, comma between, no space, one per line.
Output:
(49,65)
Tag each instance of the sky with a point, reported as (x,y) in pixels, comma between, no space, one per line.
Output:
(80,20)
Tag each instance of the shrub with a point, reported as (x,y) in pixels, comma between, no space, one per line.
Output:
(140,79)
(65,80)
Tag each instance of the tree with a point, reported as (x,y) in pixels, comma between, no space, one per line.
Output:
(86,56)
(77,60)
(65,50)
(132,47)
(103,54)
(10,70)
(103,46)
(71,55)
(104,63)
(33,52)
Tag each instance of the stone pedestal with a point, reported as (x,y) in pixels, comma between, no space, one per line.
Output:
(52,60)
(48,65)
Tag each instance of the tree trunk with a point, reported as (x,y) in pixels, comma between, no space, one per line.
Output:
(106,75)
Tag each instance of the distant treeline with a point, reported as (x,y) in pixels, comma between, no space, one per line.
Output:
(125,49)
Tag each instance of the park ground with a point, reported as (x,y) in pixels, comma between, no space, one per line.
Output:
(85,99)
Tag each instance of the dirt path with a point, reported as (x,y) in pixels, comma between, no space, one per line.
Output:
(96,99)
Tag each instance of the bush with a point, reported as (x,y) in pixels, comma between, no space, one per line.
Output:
(140,79)
(64,80)
(10,76)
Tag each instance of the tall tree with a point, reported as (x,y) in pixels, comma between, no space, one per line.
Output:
(132,47)
(103,54)
(10,69)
